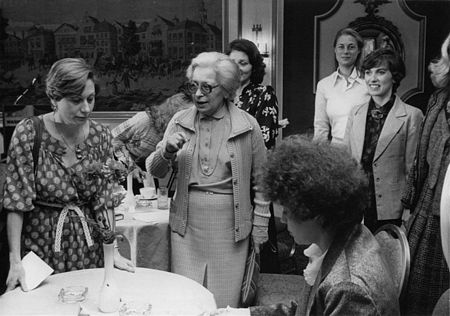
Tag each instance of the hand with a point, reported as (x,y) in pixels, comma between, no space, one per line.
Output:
(122,263)
(16,276)
(259,236)
(175,142)
(283,123)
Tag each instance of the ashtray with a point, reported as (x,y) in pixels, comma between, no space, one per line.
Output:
(135,308)
(73,294)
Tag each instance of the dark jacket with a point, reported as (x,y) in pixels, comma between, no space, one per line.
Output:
(353,280)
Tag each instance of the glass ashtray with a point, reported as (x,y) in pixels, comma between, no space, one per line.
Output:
(135,308)
(143,202)
(73,294)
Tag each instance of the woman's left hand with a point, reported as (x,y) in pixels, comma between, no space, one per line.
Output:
(122,263)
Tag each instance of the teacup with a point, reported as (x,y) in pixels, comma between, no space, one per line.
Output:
(148,192)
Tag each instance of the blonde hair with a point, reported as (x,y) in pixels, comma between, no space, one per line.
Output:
(227,72)
(440,68)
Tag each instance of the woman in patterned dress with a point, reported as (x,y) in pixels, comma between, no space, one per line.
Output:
(253,97)
(429,275)
(47,203)
(261,102)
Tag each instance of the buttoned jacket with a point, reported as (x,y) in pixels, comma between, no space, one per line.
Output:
(394,153)
(247,151)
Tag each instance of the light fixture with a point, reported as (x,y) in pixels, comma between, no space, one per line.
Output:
(257,28)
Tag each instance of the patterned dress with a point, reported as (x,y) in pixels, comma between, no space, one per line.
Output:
(43,198)
(260,101)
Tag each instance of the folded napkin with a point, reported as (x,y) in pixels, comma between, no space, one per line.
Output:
(36,270)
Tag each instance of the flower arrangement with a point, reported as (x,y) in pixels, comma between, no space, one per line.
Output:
(106,176)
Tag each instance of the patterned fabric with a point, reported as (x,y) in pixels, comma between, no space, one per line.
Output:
(429,276)
(247,153)
(59,185)
(260,101)
(376,116)
(208,253)
(135,138)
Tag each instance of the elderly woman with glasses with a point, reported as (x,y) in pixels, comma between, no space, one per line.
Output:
(218,149)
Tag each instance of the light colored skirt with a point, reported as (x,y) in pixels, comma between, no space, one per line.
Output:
(208,253)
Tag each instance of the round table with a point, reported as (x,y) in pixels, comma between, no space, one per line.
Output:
(169,294)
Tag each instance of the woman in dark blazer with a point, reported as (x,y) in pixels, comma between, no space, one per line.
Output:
(382,135)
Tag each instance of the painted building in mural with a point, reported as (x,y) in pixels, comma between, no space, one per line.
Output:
(90,38)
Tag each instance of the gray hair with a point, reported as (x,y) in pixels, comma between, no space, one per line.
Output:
(227,72)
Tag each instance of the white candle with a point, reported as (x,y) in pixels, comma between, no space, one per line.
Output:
(130,196)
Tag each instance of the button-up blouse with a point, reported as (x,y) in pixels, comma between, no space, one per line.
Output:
(335,97)
(211,165)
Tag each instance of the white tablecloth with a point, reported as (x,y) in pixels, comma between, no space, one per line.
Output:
(147,238)
(169,294)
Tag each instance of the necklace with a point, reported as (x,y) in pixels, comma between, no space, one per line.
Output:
(75,148)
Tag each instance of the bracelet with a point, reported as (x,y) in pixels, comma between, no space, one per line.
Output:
(266,215)
(262,203)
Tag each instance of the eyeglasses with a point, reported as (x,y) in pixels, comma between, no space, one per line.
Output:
(205,88)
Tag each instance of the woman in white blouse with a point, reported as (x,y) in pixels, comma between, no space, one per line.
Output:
(338,93)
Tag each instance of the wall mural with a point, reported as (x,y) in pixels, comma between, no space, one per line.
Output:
(140,49)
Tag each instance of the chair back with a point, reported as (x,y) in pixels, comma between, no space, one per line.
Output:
(395,248)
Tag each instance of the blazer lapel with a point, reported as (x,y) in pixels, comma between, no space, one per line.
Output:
(333,253)
(391,126)
(359,130)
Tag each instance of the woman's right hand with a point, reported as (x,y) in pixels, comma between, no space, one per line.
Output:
(16,276)
(175,142)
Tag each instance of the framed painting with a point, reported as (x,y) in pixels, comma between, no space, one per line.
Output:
(140,49)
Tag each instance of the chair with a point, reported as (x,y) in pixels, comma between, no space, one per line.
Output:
(395,248)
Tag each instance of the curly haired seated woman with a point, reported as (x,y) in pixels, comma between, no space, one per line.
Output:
(323,192)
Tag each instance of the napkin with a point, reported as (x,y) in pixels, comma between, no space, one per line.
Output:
(36,270)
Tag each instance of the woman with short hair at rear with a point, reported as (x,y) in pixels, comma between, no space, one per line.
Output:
(382,135)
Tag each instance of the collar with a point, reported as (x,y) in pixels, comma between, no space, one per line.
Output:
(316,256)
(355,76)
(376,111)
(240,120)
(219,114)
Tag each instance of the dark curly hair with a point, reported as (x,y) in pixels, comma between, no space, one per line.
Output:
(393,60)
(313,179)
(254,57)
